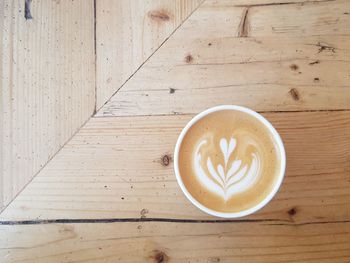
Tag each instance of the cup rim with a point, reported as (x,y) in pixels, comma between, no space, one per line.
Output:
(277,139)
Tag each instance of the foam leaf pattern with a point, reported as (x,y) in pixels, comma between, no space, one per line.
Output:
(225,181)
(227,148)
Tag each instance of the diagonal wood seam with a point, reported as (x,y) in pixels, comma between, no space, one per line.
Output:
(148,58)
(2,209)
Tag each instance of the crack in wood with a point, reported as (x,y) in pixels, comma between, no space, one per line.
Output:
(243,28)
(27,14)
(324,47)
(315,62)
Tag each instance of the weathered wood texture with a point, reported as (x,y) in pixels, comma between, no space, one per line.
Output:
(113,168)
(260,2)
(303,64)
(269,242)
(226,52)
(47,84)
(1,103)
(128,32)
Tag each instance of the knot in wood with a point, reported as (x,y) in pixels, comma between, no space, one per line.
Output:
(143,213)
(295,94)
(188,58)
(160,256)
(166,160)
(292,211)
(159,15)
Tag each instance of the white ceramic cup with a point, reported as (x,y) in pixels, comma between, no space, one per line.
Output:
(277,140)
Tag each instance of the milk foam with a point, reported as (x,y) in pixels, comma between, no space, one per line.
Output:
(228,178)
(228,161)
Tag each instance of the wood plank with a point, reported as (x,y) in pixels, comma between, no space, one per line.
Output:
(2,20)
(206,63)
(292,18)
(112,168)
(260,2)
(304,19)
(128,32)
(47,84)
(263,86)
(176,242)
(233,50)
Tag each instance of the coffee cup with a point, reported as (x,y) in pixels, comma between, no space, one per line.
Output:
(229,161)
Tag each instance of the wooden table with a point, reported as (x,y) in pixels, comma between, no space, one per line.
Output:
(110,194)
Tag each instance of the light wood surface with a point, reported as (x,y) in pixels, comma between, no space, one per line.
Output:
(157,242)
(47,84)
(108,195)
(1,103)
(210,65)
(112,169)
(128,32)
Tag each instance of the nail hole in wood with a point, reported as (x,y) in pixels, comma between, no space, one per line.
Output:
(294,67)
(292,211)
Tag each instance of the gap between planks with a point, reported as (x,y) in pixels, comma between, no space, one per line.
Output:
(191,113)
(95,51)
(274,222)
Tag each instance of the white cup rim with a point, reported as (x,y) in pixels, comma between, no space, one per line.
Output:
(277,139)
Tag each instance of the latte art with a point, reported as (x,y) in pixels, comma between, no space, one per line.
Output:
(228,178)
(228,161)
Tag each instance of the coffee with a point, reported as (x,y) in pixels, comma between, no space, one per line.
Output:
(229,161)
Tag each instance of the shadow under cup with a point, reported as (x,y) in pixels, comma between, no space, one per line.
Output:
(229,161)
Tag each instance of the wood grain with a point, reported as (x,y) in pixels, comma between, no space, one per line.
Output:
(128,32)
(110,194)
(47,84)
(206,63)
(292,18)
(260,2)
(113,169)
(176,242)
(304,19)
(2,20)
